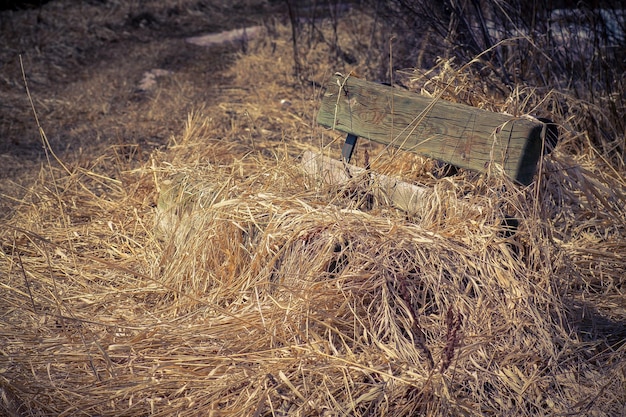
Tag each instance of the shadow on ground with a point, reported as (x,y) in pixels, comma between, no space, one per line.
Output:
(83,63)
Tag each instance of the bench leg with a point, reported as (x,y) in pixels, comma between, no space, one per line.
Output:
(348,147)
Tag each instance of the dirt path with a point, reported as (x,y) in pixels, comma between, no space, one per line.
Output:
(84,64)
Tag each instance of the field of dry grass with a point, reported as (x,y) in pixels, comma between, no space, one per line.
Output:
(165,254)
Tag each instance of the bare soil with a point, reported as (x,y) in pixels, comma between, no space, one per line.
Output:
(83,63)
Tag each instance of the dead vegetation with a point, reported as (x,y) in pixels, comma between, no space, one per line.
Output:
(215,278)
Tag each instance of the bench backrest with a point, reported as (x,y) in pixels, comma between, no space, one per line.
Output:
(460,135)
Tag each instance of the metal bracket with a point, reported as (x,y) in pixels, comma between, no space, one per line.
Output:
(348,147)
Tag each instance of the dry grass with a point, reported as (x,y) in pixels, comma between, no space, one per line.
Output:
(217,279)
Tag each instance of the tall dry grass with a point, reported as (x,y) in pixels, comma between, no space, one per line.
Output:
(572,57)
(218,279)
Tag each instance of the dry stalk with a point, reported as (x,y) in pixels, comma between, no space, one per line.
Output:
(453,325)
(267,293)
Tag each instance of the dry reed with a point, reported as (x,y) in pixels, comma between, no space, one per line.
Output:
(218,279)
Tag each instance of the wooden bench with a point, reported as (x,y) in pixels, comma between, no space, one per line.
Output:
(460,135)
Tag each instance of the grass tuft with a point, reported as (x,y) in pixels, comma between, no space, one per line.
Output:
(217,278)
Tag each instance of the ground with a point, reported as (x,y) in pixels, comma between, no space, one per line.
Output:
(83,63)
(165,253)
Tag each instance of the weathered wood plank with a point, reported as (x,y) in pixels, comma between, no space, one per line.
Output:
(405,196)
(454,133)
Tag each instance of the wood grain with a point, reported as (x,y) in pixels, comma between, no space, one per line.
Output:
(403,195)
(461,135)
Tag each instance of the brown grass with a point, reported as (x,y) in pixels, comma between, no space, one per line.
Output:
(217,279)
